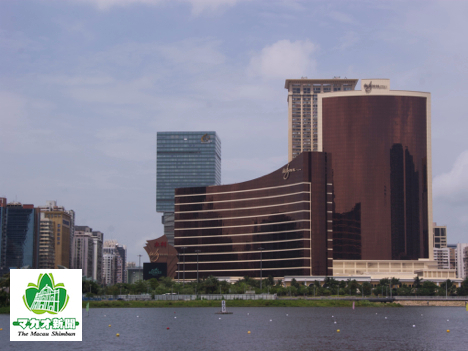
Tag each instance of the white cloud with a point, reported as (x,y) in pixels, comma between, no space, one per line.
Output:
(24,128)
(127,143)
(284,59)
(342,17)
(453,186)
(198,6)
(348,40)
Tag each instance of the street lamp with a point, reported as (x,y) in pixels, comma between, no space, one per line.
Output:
(183,276)
(197,251)
(261,261)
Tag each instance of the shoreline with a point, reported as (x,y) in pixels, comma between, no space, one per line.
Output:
(235,303)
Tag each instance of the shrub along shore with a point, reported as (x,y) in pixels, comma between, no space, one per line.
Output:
(236,303)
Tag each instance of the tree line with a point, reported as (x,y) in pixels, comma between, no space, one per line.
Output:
(330,287)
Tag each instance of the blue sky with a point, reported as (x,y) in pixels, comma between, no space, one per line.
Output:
(86,84)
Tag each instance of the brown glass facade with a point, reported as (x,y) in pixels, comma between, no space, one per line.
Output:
(379,149)
(282,221)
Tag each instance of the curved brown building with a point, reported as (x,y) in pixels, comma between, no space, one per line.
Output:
(380,143)
(281,222)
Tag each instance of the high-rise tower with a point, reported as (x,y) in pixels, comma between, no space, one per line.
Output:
(303,110)
(184,159)
(380,143)
(19,228)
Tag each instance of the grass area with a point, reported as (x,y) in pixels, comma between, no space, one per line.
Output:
(5,310)
(238,303)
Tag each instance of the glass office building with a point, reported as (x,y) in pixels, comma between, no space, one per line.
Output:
(184,159)
(279,224)
(19,226)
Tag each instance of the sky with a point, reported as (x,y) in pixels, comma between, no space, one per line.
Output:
(85,85)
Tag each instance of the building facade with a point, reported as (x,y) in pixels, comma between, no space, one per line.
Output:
(46,243)
(442,257)
(114,263)
(380,144)
(465,261)
(279,224)
(19,230)
(62,225)
(184,159)
(440,236)
(88,253)
(98,240)
(83,247)
(460,259)
(160,251)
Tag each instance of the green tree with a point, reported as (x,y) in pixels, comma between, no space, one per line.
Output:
(428,288)
(352,286)
(295,283)
(449,287)
(463,289)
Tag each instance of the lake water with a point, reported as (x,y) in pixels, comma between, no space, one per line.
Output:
(272,328)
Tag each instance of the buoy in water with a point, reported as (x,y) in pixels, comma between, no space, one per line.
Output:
(334,322)
(117,334)
(448,331)
(175,317)
(248,332)
(414,326)
(109,325)
(385,317)
(1,328)
(271,320)
(167,328)
(219,317)
(337,330)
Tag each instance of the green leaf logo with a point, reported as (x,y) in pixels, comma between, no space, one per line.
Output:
(46,296)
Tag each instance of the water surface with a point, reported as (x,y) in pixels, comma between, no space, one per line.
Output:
(272,328)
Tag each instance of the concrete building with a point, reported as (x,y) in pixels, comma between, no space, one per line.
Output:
(98,240)
(83,247)
(184,159)
(134,274)
(114,258)
(303,111)
(380,146)
(465,260)
(443,257)
(88,254)
(440,236)
(19,234)
(460,259)
(62,224)
(46,243)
